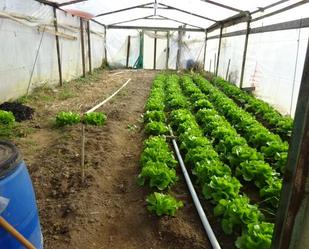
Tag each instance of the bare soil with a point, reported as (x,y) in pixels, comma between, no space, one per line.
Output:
(108,210)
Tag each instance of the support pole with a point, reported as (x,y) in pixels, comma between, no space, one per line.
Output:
(105,45)
(244,56)
(83,46)
(167,49)
(58,47)
(128,51)
(205,47)
(155,51)
(215,63)
(89,46)
(210,65)
(82,153)
(219,50)
(227,70)
(180,33)
(292,226)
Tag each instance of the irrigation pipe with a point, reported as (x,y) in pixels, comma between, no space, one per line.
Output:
(82,158)
(109,98)
(212,238)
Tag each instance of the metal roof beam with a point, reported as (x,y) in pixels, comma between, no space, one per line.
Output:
(168,18)
(155,28)
(48,3)
(130,20)
(70,2)
(222,5)
(150,17)
(238,18)
(281,10)
(124,9)
(187,12)
(261,9)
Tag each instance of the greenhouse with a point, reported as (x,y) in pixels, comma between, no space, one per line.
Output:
(154,124)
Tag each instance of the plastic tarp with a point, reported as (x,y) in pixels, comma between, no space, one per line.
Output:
(28,47)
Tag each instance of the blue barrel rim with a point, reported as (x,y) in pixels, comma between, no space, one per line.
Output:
(10,158)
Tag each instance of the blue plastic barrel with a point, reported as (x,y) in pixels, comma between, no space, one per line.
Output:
(21,212)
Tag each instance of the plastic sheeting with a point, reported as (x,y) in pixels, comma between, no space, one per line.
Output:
(28,51)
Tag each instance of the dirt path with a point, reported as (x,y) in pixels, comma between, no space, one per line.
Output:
(109,210)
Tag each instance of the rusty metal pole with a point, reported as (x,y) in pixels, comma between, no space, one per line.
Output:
(83,46)
(58,47)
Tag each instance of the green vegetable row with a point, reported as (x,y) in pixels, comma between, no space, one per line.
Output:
(264,112)
(233,149)
(215,177)
(71,118)
(273,148)
(157,161)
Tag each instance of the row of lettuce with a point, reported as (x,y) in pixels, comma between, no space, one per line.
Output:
(216,152)
(264,112)
(157,160)
(214,176)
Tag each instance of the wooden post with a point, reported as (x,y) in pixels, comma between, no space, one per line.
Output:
(227,70)
(89,46)
(205,47)
(58,47)
(219,50)
(82,162)
(244,56)
(167,49)
(155,51)
(291,229)
(128,51)
(83,46)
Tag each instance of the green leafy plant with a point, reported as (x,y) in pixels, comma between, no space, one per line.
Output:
(67,118)
(257,235)
(94,118)
(271,192)
(150,116)
(158,174)
(257,171)
(237,213)
(221,187)
(156,128)
(7,118)
(163,204)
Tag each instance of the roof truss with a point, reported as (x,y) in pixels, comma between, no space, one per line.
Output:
(240,16)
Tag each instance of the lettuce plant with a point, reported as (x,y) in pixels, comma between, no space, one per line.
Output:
(67,118)
(257,235)
(158,175)
(94,118)
(163,204)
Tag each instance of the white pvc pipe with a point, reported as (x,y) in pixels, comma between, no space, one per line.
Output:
(104,101)
(212,238)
